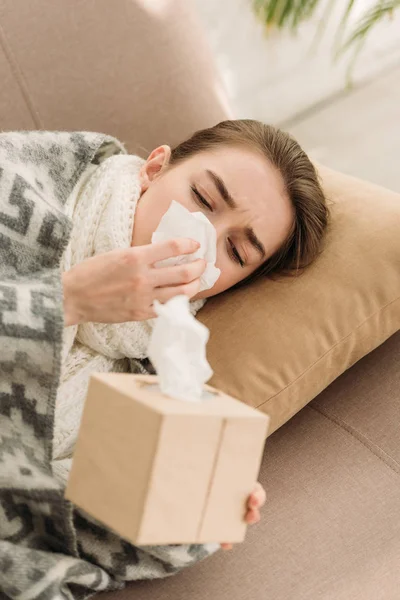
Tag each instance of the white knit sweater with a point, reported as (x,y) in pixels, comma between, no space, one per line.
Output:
(102,208)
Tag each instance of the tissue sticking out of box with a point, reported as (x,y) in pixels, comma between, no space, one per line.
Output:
(177,349)
(178,221)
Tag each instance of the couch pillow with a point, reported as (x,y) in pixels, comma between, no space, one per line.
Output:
(277,344)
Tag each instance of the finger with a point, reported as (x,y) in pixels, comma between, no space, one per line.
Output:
(252,516)
(167,276)
(257,497)
(174,247)
(150,313)
(227,546)
(165,293)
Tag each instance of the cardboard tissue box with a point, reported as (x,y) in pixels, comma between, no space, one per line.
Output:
(158,470)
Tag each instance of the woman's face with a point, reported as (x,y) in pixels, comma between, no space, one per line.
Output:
(244,192)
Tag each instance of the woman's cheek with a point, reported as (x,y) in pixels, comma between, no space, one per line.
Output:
(224,280)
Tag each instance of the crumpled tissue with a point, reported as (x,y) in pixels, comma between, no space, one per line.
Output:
(177,349)
(178,221)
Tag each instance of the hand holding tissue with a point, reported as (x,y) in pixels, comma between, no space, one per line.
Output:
(166,458)
(178,221)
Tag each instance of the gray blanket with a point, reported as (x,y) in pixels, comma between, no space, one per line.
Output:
(48,547)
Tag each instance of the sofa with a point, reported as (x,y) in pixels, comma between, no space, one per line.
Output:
(330,530)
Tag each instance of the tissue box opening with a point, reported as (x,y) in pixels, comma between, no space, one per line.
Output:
(155,387)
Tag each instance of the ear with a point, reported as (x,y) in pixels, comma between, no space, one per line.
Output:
(156,162)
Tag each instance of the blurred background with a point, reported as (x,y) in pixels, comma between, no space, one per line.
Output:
(328,71)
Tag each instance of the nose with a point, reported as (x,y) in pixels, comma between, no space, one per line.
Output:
(225,225)
(221,230)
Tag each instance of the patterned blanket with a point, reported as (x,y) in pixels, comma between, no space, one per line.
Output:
(49,549)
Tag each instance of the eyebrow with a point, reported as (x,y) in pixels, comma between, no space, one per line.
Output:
(233,205)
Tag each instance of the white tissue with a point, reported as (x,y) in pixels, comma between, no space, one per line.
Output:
(178,221)
(177,349)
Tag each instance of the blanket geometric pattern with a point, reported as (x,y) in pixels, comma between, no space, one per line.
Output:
(49,549)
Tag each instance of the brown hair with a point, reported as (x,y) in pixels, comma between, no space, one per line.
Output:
(303,244)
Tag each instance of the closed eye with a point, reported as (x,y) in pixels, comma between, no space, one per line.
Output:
(200,198)
(234,254)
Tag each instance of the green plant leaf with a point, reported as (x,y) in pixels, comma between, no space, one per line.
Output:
(367,22)
(271,10)
(305,9)
(290,13)
(342,24)
(322,25)
(284,13)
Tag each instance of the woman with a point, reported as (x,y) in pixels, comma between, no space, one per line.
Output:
(77,198)
(256,186)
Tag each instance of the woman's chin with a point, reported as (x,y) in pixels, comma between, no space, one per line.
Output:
(213,291)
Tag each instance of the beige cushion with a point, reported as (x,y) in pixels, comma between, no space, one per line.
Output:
(277,344)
